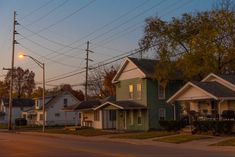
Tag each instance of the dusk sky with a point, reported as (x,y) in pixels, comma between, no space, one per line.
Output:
(55,31)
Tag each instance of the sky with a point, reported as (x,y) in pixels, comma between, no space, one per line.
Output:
(55,32)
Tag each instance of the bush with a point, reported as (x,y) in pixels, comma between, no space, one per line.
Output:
(172,125)
(228,114)
(216,127)
(20,121)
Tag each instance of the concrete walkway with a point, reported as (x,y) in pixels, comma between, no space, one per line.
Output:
(194,145)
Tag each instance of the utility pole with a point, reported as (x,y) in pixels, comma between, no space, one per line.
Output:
(12,73)
(87,68)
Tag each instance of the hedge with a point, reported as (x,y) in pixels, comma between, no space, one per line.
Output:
(216,127)
(172,125)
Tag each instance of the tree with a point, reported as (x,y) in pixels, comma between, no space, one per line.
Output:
(3,90)
(194,44)
(100,82)
(23,82)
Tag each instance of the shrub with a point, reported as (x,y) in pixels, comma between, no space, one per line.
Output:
(228,114)
(20,121)
(216,127)
(172,125)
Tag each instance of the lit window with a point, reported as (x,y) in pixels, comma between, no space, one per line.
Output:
(161,91)
(139,88)
(131,90)
(97,115)
(41,117)
(139,118)
(162,113)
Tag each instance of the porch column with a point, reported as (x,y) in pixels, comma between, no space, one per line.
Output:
(125,119)
(219,108)
(174,111)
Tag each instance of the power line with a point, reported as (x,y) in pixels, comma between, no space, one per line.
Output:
(100,28)
(37,9)
(57,62)
(53,51)
(48,13)
(61,20)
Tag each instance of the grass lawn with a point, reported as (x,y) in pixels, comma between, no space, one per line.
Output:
(230,142)
(144,135)
(181,139)
(92,132)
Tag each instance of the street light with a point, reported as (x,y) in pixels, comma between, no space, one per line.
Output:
(42,65)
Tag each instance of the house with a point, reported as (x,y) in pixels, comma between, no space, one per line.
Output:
(18,105)
(207,98)
(54,110)
(140,100)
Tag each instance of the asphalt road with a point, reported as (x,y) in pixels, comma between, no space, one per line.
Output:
(21,145)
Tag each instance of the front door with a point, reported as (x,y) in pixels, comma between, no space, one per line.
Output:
(109,119)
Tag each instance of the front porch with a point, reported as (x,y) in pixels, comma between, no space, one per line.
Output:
(208,109)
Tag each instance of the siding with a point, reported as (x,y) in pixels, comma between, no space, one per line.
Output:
(122,90)
(154,104)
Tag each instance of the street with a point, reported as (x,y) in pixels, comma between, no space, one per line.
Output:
(24,145)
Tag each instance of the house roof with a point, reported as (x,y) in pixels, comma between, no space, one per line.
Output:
(19,102)
(215,89)
(227,77)
(147,66)
(123,104)
(90,104)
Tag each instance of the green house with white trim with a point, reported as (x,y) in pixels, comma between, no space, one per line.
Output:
(140,100)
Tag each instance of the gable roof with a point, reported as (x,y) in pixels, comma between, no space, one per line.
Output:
(145,66)
(19,102)
(226,80)
(54,97)
(123,104)
(213,89)
(227,77)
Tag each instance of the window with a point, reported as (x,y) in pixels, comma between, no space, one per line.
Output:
(65,102)
(131,91)
(139,88)
(162,113)
(161,91)
(57,114)
(112,115)
(139,118)
(97,115)
(41,117)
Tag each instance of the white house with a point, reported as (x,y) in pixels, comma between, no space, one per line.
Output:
(18,105)
(54,113)
(207,98)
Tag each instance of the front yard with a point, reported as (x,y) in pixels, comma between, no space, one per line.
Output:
(230,142)
(144,135)
(182,138)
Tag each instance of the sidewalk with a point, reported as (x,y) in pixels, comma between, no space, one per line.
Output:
(195,145)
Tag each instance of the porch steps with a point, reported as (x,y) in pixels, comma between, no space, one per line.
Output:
(72,128)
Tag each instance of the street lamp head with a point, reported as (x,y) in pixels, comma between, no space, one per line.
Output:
(21,56)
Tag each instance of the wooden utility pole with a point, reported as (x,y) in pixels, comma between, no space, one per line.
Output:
(87,68)
(12,73)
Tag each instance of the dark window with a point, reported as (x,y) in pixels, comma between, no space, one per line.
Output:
(161,91)
(112,115)
(65,102)
(139,118)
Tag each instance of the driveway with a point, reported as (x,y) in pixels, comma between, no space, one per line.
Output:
(38,145)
